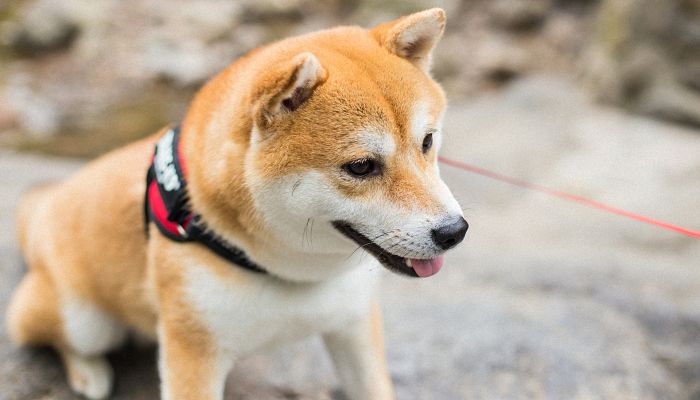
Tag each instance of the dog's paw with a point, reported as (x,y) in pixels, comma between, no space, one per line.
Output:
(90,377)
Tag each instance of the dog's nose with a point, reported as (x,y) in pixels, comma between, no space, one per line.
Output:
(450,233)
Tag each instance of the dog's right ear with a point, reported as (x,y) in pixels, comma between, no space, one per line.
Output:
(286,88)
(413,37)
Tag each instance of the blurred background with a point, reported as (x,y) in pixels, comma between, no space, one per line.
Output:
(544,300)
(78,77)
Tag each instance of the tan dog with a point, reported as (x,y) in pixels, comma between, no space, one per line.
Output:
(295,154)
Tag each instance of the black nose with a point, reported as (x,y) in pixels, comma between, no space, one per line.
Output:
(450,233)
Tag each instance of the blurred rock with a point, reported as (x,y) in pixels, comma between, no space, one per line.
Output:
(641,55)
(274,11)
(32,113)
(519,14)
(8,119)
(43,27)
(500,60)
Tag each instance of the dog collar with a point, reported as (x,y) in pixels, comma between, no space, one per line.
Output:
(166,204)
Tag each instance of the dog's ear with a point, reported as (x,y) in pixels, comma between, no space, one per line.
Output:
(414,36)
(286,88)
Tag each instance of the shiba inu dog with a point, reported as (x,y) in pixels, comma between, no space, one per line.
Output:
(291,165)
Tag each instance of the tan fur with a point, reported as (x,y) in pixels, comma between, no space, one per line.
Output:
(83,239)
(33,316)
(188,349)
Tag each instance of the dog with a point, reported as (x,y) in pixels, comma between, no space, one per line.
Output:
(260,219)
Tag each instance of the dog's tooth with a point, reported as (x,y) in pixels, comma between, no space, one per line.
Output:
(407,261)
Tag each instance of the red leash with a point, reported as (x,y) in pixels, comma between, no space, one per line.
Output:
(567,196)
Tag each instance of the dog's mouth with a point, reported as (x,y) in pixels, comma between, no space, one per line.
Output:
(414,267)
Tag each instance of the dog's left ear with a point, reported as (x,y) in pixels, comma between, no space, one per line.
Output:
(414,36)
(288,86)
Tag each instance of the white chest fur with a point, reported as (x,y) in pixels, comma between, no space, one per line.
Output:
(265,311)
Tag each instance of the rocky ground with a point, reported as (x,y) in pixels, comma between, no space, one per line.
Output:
(544,300)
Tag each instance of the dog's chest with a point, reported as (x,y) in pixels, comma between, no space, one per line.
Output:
(267,312)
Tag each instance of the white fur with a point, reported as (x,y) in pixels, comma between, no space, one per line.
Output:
(359,370)
(309,71)
(374,141)
(267,311)
(421,122)
(90,333)
(88,330)
(92,377)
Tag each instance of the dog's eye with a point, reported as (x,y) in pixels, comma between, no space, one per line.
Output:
(427,142)
(362,168)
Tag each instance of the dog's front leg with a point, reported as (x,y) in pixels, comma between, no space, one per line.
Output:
(191,368)
(358,355)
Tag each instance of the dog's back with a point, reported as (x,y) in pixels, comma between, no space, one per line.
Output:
(29,206)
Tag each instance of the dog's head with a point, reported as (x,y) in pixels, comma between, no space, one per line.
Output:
(343,152)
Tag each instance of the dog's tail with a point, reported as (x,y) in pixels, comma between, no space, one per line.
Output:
(27,208)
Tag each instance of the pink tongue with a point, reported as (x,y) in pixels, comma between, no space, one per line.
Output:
(426,268)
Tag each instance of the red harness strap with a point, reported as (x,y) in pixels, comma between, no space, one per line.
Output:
(166,204)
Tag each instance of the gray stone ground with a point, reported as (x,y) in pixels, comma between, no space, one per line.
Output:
(544,300)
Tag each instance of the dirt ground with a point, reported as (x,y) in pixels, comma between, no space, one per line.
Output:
(544,300)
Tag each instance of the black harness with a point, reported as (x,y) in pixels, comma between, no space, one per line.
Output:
(167,204)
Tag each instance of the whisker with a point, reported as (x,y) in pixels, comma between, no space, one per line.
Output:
(373,240)
(370,242)
(295,186)
(311,233)
(303,236)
